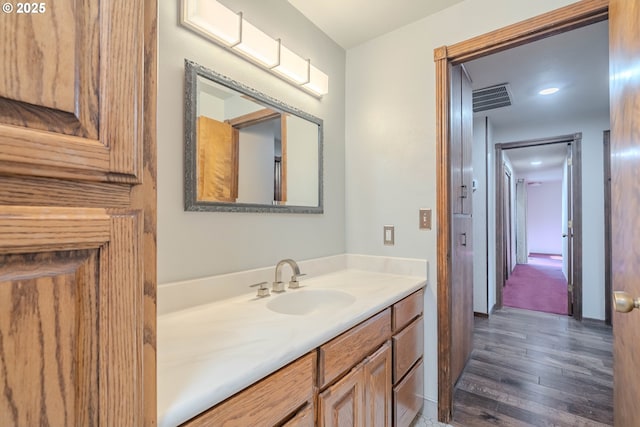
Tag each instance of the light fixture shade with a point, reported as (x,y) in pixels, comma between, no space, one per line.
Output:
(292,66)
(258,45)
(318,82)
(212,20)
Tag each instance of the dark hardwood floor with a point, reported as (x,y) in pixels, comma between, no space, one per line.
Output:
(531,368)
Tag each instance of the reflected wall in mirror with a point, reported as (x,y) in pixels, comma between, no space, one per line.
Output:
(247,152)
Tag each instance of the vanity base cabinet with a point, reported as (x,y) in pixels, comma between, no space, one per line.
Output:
(268,402)
(305,417)
(408,351)
(377,395)
(407,396)
(362,397)
(342,404)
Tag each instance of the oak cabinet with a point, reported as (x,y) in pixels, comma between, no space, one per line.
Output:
(268,402)
(368,376)
(408,350)
(362,397)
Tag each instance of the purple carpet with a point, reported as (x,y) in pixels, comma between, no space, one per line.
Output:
(539,285)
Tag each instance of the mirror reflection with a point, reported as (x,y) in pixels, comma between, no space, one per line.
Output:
(248,152)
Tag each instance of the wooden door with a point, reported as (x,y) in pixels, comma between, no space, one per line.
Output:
(342,404)
(506,225)
(217,160)
(624,90)
(377,396)
(77,214)
(462,293)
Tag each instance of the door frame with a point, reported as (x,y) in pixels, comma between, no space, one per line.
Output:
(575,140)
(606,142)
(561,20)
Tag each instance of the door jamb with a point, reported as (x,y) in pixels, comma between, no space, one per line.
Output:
(607,227)
(561,20)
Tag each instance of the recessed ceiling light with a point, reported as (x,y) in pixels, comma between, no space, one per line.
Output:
(536,163)
(549,91)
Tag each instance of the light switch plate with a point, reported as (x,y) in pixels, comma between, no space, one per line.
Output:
(389,235)
(424,223)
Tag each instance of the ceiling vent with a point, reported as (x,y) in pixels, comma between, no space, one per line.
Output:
(491,97)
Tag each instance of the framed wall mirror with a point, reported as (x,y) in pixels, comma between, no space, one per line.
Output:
(248,152)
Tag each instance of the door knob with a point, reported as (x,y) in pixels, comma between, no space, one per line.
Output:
(623,302)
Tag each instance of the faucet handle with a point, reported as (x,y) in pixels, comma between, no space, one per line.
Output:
(294,283)
(263,291)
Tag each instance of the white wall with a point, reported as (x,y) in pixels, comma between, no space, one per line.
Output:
(391,128)
(302,160)
(256,154)
(544,217)
(592,199)
(196,244)
(479,205)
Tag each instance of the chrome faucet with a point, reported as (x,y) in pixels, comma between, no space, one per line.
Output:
(278,285)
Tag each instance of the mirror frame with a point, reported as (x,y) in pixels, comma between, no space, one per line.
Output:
(191,202)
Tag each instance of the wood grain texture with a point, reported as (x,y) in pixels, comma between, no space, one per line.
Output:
(377,394)
(32,229)
(342,404)
(573,16)
(407,396)
(268,402)
(408,347)
(44,56)
(404,311)
(624,92)
(443,188)
(217,161)
(253,118)
(144,198)
(305,417)
(345,351)
(26,191)
(122,322)
(48,355)
(89,126)
(564,19)
(532,368)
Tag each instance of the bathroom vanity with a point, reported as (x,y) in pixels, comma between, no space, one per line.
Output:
(242,361)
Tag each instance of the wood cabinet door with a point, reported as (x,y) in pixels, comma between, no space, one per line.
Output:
(77,214)
(342,404)
(377,396)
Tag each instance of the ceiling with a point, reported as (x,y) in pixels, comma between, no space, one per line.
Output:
(353,22)
(576,62)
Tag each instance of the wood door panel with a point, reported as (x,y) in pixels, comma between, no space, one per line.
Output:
(91,297)
(624,90)
(71,92)
(377,379)
(48,356)
(342,404)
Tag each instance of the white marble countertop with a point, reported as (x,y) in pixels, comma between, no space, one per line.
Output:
(209,352)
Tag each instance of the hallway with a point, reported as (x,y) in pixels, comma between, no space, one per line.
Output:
(538,285)
(532,368)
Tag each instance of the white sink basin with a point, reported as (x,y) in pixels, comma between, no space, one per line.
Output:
(305,301)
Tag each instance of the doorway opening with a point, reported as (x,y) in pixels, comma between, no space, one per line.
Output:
(555,22)
(544,270)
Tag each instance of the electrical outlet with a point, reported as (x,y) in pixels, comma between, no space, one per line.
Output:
(424,222)
(389,235)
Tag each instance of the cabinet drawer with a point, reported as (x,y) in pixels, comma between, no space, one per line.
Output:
(304,418)
(345,351)
(267,402)
(408,347)
(407,396)
(406,310)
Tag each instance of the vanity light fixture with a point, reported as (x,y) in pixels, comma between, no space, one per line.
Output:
(215,22)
